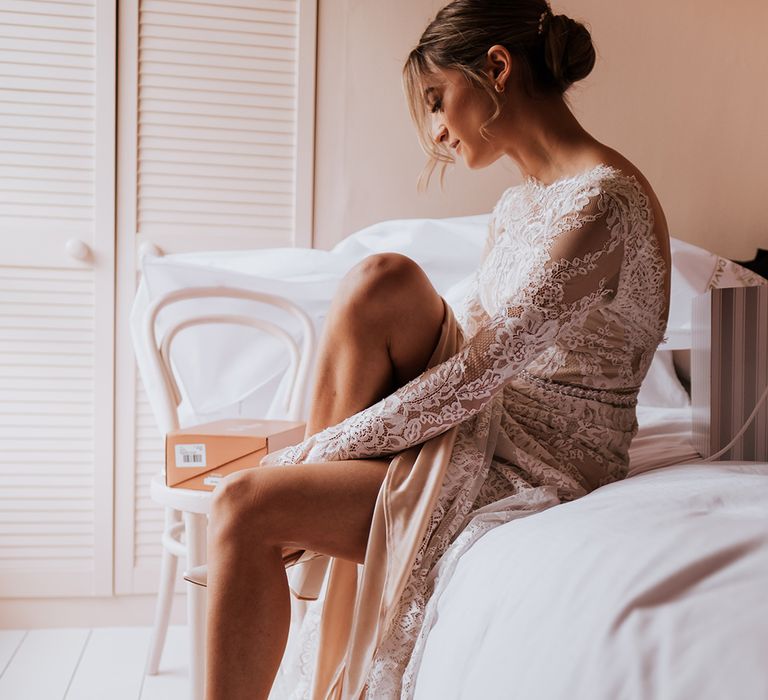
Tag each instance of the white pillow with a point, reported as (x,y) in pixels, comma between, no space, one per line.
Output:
(695,271)
(661,386)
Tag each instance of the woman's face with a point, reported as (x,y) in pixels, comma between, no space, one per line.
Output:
(458,109)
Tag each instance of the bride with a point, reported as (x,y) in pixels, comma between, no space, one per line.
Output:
(428,428)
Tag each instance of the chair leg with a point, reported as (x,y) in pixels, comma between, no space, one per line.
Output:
(168,566)
(195,525)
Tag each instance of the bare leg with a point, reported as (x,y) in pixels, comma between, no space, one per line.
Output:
(380,332)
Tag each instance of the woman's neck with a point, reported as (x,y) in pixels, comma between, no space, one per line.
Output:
(546,140)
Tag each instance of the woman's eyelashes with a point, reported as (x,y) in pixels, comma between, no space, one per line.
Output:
(435,106)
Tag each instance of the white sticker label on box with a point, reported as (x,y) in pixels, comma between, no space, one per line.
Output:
(212,480)
(253,426)
(190,455)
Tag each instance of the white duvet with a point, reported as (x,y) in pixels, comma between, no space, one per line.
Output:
(650,588)
(654,587)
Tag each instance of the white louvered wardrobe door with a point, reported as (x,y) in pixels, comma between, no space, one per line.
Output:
(215,150)
(57,237)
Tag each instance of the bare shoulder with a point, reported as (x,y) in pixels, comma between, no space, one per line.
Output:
(615,159)
(661,230)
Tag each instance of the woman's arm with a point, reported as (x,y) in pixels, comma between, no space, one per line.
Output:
(470,313)
(580,273)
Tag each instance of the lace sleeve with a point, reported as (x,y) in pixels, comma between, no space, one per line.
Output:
(578,271)
(470,312)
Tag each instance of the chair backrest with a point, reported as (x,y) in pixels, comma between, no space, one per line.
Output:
(159,350)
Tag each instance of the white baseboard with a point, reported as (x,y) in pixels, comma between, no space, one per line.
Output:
(128,610)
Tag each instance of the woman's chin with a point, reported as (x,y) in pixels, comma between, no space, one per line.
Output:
(466,157)
(470,160)
(480,163)
(471,163)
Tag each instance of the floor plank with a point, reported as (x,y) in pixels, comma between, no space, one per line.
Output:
(10,641)
(112,665)
(172,680)
(43,665)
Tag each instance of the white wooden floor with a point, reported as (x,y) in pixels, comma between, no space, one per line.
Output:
(103,663)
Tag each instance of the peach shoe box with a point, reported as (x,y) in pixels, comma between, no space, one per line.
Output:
(199,456)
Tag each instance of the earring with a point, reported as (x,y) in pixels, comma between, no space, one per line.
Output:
(499,88)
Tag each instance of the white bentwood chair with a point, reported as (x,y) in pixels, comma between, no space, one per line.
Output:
(186,510)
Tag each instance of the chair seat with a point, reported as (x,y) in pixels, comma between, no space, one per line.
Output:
(188,500)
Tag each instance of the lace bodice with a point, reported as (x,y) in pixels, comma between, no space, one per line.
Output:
(570,292)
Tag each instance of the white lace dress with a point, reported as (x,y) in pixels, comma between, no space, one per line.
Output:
(563,318)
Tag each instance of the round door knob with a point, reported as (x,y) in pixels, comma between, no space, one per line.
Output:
(77,249)
(149,249)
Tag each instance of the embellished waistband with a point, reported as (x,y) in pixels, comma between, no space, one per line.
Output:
(612,398)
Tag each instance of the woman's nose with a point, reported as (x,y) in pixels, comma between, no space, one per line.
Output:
(440,133)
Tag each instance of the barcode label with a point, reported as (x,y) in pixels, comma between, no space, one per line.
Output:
(190,455)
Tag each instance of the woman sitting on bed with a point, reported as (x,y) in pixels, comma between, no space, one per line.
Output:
(419,419)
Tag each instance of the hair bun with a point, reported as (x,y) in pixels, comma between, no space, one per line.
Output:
(568,50)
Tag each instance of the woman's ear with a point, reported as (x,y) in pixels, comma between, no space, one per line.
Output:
(498,63)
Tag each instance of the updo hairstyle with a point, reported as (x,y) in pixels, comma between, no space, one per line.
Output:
(553,52)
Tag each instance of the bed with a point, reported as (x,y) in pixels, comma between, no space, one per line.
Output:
(652,587)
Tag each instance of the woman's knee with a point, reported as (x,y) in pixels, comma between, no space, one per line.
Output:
(377,281)
(236,505)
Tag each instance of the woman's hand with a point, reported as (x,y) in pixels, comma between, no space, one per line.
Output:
(275,458)
(293,454)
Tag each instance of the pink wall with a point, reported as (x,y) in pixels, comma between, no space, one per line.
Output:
(679,88)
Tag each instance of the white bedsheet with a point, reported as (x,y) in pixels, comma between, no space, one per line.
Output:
(648,588)
(663,438)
